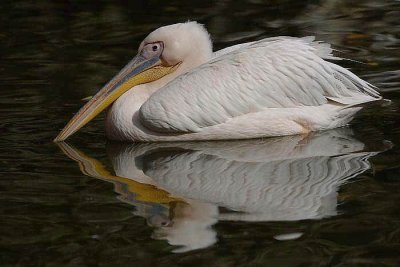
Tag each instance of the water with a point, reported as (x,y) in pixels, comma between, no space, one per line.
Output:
(270,202)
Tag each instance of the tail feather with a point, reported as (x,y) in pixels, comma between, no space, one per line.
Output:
(357,90)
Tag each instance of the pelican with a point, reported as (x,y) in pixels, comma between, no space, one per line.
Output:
(177,89)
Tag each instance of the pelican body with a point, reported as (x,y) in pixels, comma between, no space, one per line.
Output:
(178,89)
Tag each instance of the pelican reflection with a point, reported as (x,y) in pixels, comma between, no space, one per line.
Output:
(179,188)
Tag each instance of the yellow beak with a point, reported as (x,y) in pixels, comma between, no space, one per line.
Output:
(138,71)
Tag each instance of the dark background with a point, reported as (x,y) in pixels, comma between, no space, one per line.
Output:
(54,53)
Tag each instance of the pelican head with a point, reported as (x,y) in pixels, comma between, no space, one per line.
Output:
(169,50)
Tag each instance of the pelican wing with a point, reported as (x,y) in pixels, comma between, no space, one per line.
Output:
(280,72)
(230,49)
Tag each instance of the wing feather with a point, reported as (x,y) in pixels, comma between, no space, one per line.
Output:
(279,72)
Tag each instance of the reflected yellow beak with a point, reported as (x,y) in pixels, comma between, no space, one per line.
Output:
(138,71)
(94,168)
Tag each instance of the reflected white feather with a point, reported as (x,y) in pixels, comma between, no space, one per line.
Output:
(275,179)
(292,179)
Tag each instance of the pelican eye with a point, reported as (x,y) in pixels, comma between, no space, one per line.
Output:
(152,49)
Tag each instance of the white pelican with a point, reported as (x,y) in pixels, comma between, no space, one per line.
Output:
(177,89)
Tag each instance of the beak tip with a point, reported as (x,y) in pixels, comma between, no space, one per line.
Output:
(59,138)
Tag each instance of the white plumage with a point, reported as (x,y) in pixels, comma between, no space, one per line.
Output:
(177,89)
(272,87)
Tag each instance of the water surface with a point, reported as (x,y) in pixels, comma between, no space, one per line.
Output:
(330,199)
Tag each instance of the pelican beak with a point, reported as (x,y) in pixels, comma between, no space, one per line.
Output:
(138,71)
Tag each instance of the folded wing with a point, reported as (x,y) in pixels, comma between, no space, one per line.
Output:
(278,72)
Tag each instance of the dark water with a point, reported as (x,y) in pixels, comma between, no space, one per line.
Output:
(330,199)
